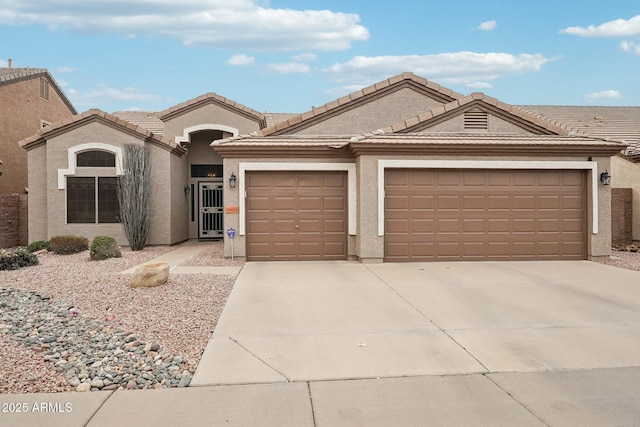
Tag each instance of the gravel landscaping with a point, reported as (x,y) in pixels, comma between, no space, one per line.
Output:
(74,324)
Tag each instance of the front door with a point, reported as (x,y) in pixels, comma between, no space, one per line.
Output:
(211,213)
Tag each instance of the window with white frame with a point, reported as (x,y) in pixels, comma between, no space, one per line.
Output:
(92,196)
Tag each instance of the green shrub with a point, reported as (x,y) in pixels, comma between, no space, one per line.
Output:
(103,247)
(64,245)
(13,260)
(38,246)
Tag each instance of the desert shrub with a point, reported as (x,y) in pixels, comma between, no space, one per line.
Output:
(64,245)
(103,247)
(13,260)
(38,246)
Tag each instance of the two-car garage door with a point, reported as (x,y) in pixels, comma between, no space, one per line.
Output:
(438,214)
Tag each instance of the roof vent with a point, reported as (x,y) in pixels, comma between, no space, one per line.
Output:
(476,119)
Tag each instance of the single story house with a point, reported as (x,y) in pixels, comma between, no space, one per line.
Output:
(404,170)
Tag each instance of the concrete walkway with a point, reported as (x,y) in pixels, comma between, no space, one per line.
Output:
(443,344)
(182,253)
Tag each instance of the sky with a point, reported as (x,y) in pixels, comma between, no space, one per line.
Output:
(291,55)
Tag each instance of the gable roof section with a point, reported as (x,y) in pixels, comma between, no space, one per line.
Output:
(91,116)
(360,97)
(533,123)
(212,98)
(13,75)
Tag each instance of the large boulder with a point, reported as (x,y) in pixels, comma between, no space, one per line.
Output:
(150,275)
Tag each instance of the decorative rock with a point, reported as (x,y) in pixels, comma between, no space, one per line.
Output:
(150,275)
(91,356)
(83,387)
(97,383)
(185,380)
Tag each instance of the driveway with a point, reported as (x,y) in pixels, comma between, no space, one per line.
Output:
(522,343)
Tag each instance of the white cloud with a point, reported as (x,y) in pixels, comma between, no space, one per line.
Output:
(3,63)
(241,60)
(629,46)
(65,69)
(479,85)
(104,94)
(289,68)
(232,24)
(605,94)
(466,68)
(488,25)
(304,57)
(615,28)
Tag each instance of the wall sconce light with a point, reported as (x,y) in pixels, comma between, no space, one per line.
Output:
(605,178)
(187,190)
(232,180)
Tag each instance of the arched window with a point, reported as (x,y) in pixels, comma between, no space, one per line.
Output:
(96,158)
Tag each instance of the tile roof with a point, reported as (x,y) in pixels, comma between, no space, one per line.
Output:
(533,122)
(215,99)
(482,144)
(145,119)
(275,118)
(613,123)
(96,115)
(333,141)
(356,98)
(13,75)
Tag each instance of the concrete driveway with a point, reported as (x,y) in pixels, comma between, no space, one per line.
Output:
(482,343)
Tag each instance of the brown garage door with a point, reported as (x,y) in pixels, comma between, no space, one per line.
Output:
(437,214)
(296,215)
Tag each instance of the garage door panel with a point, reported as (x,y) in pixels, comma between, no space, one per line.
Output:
(498,202)
(419,202)
(448,225)
(397,226)
(334,226)
(397,202)
(474,202)
(334,203)
(496,214)
(523,202)
(448,202)
(283,203)
(296,215)
(470,225)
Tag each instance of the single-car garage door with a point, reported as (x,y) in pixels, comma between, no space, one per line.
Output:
(296,215)
(440,214)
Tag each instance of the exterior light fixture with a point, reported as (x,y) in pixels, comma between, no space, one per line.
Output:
(232,180)
(187,190)
(605,178)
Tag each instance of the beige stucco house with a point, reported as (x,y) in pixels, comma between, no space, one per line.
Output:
(404,170)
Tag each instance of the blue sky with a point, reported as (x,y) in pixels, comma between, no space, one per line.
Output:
(287,56)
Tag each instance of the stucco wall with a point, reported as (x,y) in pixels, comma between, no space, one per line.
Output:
(211,114)
(21,113)
(626,174)
(38,173)
(374,115)
(179,201)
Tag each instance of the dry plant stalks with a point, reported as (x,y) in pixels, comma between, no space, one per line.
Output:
(134,195)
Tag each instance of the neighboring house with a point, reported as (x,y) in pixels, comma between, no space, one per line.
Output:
(404,170)
(30,99)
